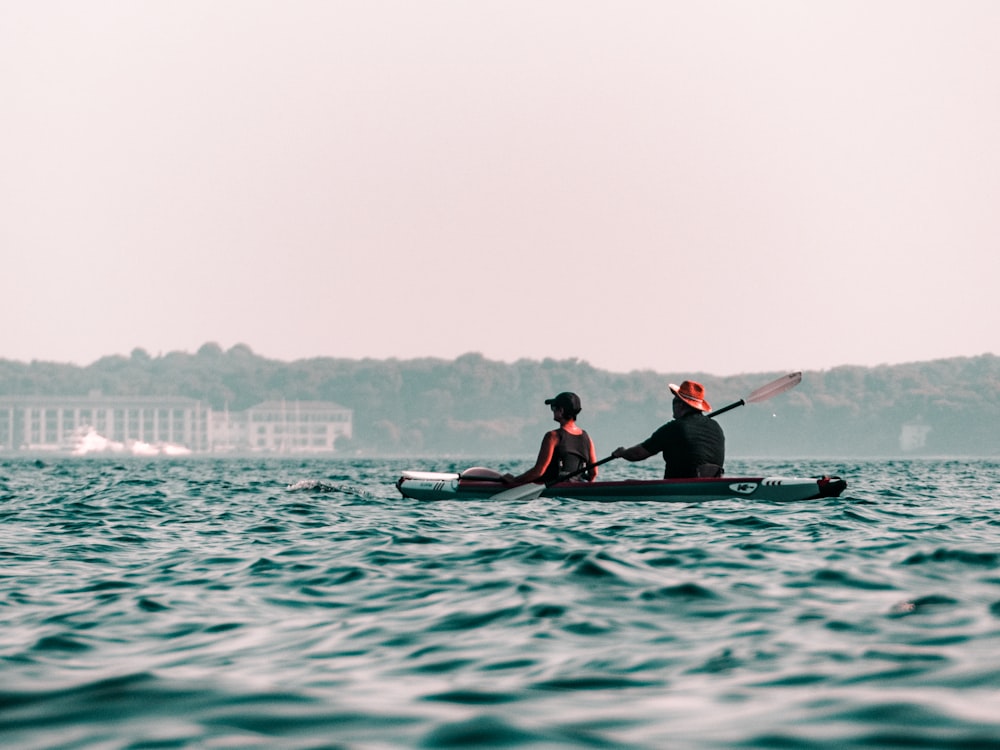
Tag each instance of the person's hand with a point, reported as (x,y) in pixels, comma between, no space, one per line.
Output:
(507,479)
(618,452)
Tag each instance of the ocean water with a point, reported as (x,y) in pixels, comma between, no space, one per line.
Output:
(196,603)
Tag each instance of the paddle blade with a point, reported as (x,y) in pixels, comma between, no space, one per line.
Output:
(522,492)
(782,384)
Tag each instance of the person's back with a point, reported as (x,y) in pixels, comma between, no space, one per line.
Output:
(692,446)
(572,453)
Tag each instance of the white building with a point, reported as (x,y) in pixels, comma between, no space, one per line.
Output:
(54,423)
(167,424)
(282,427)
(913,435)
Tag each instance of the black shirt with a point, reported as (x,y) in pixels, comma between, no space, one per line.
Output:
(687,443)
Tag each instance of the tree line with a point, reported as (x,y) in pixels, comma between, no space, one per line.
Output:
(479,407)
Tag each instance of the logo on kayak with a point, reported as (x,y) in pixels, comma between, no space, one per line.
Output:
(744,488)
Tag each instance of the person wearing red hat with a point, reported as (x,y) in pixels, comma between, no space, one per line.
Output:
(564,450)
(692,444)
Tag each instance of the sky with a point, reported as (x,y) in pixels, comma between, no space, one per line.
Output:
(720,187)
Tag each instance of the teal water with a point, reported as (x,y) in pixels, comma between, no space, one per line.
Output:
(203,604)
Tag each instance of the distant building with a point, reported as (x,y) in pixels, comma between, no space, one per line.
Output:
(167,424)
(913,435)
(55,423)
(282,427)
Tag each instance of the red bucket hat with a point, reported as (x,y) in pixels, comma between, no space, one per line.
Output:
(691,393)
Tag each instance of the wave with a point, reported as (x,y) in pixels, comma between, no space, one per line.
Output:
(89,442)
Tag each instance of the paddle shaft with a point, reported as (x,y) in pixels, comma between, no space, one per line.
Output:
(782,384)
(579,471)
(572,474)
(530,491)
(724,409)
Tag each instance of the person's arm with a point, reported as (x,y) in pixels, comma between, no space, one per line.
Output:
(635,453)
(541,463)
(592,469)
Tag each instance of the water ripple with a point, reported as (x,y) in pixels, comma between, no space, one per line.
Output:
(304,604)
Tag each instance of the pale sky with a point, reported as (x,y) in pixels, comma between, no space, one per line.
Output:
(719,187)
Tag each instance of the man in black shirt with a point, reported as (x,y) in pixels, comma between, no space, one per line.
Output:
(692,444)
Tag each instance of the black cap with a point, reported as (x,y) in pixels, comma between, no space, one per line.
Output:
(567,401)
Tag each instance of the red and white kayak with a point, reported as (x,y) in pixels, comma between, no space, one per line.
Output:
(481,484)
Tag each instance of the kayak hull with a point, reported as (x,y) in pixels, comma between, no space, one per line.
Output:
(479,485)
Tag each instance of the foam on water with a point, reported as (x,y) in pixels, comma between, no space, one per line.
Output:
(301,604)
(88,442)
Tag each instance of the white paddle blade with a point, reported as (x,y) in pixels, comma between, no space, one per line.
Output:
(522,492)
(782,384)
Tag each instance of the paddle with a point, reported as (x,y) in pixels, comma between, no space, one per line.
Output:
(532,490)
(772,389)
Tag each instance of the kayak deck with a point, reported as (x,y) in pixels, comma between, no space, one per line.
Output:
(482,484)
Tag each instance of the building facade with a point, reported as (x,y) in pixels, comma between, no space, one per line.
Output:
(282,427)
(166,424)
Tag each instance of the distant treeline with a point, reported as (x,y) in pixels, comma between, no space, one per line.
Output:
(477,407)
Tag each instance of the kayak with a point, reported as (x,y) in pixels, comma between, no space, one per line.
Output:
(478,483)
